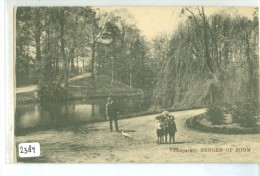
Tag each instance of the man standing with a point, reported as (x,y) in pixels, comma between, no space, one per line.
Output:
(111,113)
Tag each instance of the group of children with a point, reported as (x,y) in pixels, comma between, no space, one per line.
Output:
(165,125)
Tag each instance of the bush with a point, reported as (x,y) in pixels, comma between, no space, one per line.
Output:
(52,92)
(194,123)
(244,114)
(215,115)
(227,108)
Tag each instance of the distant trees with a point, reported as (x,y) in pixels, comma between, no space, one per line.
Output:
(23,41)
(52,40)
(208,60)
(47,37)
(211,60)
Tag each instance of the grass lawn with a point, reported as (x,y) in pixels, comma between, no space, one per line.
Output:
(83,88)
(102,87)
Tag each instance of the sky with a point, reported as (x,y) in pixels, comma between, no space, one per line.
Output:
(154,20)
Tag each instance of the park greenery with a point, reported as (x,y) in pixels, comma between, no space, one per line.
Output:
(245,114)
(54,43)
(52,92)
(208,61)
(215,115)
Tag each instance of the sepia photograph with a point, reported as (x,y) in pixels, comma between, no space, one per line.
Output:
(136,84)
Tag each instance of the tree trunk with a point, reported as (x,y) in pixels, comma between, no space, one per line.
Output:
(250,69)
(113,62)
(112,70)
(78,64)
(208,57)
(93,61)
(206,46)
(130,75)
(38,45)
(48,71)
(72,66)
(63,50)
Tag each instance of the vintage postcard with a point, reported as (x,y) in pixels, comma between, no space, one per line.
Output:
(136,84)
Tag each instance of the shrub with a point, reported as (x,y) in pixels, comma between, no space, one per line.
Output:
(194,123)
(52,92)
(215,115)
(244,114)
(227,108)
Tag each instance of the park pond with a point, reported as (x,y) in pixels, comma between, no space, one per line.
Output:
(31,118)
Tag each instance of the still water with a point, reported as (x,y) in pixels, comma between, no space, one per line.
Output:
(34,117)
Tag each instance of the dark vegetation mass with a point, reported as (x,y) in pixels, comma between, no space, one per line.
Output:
(209,61)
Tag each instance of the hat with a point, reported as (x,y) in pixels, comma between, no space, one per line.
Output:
(159,116)
(109,99)
(172,117)
(165,113)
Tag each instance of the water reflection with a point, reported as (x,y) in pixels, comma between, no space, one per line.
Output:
(33,117)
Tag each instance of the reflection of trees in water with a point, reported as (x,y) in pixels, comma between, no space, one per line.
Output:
(57,116)
(58,113)
(128,105)
(93,110)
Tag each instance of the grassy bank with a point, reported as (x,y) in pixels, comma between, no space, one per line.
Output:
(83,88)
(102,86)
(25,97)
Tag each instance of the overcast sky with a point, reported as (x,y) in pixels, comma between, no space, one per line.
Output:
(154,20)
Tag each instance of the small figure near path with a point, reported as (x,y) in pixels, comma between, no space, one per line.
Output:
(111,113)
(165,125)
(172,129)
(159,128)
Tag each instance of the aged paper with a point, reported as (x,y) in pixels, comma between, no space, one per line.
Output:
(136,84)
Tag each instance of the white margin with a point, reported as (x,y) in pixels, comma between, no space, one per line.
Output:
(2,85)
(134,2)
(7,104)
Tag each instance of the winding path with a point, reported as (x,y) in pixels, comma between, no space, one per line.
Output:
(94,143)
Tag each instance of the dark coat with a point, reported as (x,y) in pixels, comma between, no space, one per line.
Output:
(108,110)
(172,127)
(111,110)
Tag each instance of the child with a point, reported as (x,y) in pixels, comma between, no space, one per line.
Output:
(166,117)
(159,130)
(172,129)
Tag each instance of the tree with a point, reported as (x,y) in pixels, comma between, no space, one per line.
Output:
(52,40)
(29,31)
(204,55)
(23,41)
(113,32)
(37,35)
(98,28)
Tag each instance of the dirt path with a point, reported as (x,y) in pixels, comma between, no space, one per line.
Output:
(94,143)
(33,87)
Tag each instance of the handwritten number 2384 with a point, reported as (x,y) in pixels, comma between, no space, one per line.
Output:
(27,150)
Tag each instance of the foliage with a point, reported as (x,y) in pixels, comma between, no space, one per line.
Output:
(55,42)
(194,123)
(245,114)
(209,60)
(215,115)
(52,92)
